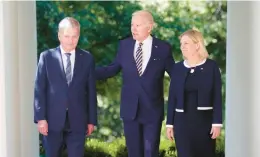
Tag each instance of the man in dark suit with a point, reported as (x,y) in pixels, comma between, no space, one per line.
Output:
(65,103)
(143,60)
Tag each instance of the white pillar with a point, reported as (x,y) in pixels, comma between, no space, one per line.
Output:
(18,50)
(243,80)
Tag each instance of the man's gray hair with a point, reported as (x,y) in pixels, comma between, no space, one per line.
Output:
(68,22)
(146,14)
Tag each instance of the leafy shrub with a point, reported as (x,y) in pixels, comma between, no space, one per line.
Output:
(117,148)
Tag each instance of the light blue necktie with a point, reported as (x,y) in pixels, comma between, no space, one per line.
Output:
(68,69)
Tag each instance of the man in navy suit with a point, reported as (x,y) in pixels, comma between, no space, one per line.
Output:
(143,60)
(65,103)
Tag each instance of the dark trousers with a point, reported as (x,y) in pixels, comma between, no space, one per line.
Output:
(55,139)
(142,140)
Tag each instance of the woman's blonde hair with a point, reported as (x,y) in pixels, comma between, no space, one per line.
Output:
(197,37)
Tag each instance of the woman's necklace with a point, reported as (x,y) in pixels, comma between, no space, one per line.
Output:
(192,68)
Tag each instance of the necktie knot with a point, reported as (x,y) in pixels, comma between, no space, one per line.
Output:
(68,55)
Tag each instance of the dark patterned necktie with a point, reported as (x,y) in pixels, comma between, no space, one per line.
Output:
(139,59)
(68,68)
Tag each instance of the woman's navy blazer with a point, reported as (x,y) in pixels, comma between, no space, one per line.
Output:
(209,90)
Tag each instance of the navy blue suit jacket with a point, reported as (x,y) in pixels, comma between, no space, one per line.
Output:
(52,94)
(209,90)
(147,89)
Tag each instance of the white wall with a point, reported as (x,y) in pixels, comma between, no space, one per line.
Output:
(243,80)
(18,50)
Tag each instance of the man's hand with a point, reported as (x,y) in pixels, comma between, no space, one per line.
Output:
(215,131)
(170,133)
(90,129)
(43,127)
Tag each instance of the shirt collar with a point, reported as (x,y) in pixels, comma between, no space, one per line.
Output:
(147,40)
(187,66)
(63,52)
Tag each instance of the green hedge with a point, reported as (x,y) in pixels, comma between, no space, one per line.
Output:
(117,148)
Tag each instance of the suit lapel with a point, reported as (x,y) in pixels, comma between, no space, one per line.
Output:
(57,55)
(131,53)
(77,65)
(154,51)
(183,75)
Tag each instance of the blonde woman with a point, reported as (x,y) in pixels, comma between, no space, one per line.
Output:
(194,117)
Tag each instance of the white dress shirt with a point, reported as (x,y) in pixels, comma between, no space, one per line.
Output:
(64,60)
(146,48)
